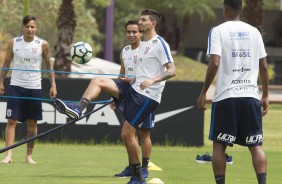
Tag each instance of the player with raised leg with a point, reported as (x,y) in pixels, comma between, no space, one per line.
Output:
(28,53)
(237,56)
(155,66)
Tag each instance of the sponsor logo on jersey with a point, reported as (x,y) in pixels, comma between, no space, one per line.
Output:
(243,89)
(242,68)
(240,35)
(239,81)
(241,54)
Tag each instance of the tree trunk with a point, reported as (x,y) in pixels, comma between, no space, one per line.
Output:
(66,25)
(253,14)
(183,35)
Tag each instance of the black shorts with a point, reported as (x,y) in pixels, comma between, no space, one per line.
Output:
(236,121)
(23,109)
(137,109)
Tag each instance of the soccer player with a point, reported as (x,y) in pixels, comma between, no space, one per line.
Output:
(28,52)
(237,56)
(155,65)
(128,58)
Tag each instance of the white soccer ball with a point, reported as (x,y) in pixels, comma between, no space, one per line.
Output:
(81,52)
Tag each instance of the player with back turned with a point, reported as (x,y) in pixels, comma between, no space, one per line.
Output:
(237,56)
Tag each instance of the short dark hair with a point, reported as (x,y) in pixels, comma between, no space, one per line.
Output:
(234,4)
(153,15)
(131,22)
(28,18)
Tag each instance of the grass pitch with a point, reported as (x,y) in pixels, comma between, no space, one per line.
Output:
(96,164)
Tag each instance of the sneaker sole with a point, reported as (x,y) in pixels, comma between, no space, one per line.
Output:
(203,162)
(122,177)
(62,108)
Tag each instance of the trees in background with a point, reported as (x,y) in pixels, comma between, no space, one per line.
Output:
(253,14)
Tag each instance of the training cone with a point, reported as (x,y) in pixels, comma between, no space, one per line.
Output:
(155,181)
(153,167)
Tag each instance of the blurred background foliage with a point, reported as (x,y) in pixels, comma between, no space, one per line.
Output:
(90,20)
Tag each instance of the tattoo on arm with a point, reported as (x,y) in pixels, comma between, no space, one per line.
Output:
(47,59)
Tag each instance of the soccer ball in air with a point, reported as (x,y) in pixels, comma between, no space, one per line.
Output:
(81,52)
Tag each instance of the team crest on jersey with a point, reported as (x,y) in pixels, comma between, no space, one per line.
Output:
(135,59)
(19,39)
(147,50)
(9,112)
(155,41)
(34,50)
(126,48)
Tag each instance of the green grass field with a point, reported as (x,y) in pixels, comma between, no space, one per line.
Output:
(96,164)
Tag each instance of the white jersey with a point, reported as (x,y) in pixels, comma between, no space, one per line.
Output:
(240,46)
(27,56)
(129,58)
(152,56)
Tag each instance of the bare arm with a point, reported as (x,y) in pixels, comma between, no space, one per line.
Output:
(122,69)
(7,63)
(170,72)
(47,60)
(210,75)
(264,82)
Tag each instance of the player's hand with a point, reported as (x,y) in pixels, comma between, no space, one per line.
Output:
(113,106)
(2,89)
(264,104)
(53,92)
(125,79)
(201,102)
(146,84)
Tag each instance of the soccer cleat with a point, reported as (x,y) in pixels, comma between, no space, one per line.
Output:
(206,158)
(68,109)
(134,180)
(229,159)
(145,173)
(125,173)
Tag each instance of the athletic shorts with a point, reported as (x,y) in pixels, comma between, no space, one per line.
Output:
(137,109)
(23,109)
(236,121)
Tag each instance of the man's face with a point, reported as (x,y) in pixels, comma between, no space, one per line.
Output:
(29,29)
(145,23)
(133,34)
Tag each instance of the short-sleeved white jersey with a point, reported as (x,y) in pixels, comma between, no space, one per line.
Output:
(152,57)
(129,58)
(240,46)
(27,56)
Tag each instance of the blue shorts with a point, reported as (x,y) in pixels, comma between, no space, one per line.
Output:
(137,109)
(23,109)
(236,121)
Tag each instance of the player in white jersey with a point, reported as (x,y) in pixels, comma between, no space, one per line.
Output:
(128,58)
(28,52)
(137,105)
(237,56)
